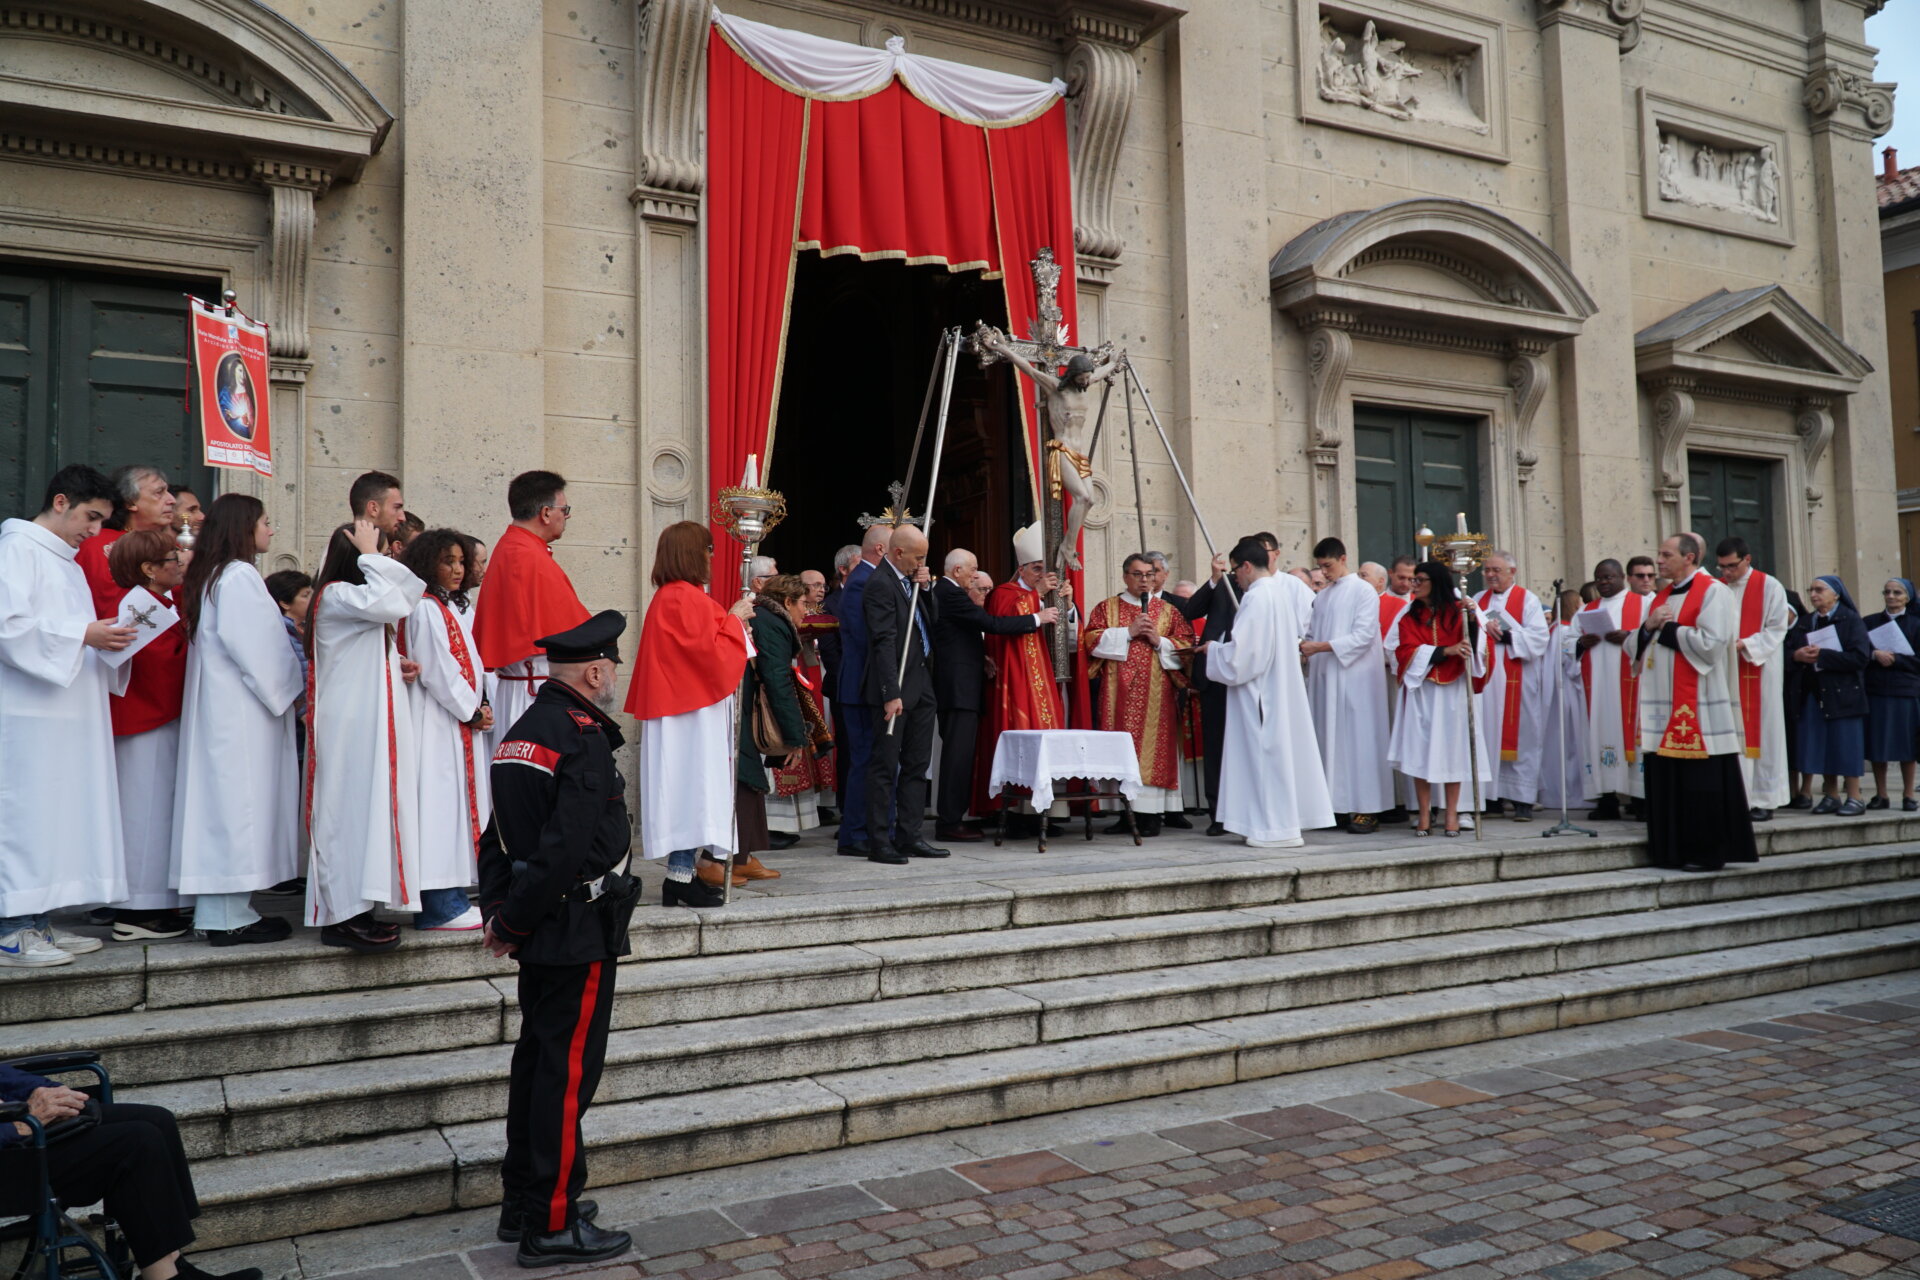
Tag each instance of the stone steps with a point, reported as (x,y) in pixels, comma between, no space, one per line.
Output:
(325,1102)
(455,1164)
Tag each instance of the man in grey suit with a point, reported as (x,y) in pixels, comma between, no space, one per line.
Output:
(899,760)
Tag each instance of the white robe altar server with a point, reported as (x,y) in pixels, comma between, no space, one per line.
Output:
(1610,677)
(1343,686)
(59,805)
(236,817)
(1764,622)
(1272,785)
(1517,734)
(363,826)
(1567,766)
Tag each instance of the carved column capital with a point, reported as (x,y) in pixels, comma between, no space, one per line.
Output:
(1101,81)
(1619,19)
(1844,100)
(669,173)
(293,189)
(1673,409)
(1329,352)
(1529,376)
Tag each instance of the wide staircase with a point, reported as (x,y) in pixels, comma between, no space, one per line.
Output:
(319,1089)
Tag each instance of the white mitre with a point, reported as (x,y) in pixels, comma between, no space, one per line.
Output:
(1029,544)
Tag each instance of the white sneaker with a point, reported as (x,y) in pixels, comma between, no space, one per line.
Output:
(465,922)
(29,949)
(74,944)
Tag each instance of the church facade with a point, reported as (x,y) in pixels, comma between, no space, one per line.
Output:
(1582,272)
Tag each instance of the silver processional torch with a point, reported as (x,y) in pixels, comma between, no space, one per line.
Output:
(749,511)
(1462,552)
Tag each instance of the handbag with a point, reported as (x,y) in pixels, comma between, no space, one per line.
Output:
(767,738)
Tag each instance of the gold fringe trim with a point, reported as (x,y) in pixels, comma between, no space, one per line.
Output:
(917,260)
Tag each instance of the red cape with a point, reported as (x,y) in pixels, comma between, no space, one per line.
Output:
(527,595)
(692,653)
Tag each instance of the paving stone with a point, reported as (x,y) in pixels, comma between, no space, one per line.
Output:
(1374,1106)
(803,1209)
(1213,1136)
(921,1190)
(1018,1172)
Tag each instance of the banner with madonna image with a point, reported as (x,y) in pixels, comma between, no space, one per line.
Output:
(230,379)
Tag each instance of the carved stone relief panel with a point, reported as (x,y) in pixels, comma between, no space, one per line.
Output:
(1715,171)
(1405,69)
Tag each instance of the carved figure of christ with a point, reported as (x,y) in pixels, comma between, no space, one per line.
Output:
(1069,403)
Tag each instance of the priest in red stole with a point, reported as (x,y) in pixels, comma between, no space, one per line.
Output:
(1765,619)
(527,594)
(1690,739)
(692,655)
(1022,695)
(1135,646)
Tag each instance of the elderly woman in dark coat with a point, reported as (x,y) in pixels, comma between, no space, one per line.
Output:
(1893,695)
(770,701)
(1833,718)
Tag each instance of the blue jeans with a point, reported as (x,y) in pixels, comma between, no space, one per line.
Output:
(13,924)
(216,912)
(438,906)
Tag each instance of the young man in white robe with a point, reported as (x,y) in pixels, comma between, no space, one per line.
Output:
(1764,620)
(1612,696)
(1564,767)
(1520,692)
(1344,689)
(60,839)
(236,817)
(363,826)
(1272,784)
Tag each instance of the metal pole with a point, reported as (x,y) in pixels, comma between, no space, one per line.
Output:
(933,487)
(1133,450)
(919,432)
(1473,738)
(1181,475)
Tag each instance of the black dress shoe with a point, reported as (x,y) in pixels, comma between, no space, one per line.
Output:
(1120,827)
(581,1242)
(1800,802)
(921,849)
(1760,815)
(958,834)
(510,1221)
(856,849)
(1608,810)
(1216,828)
(1878,802)
(828,817)
(690,893)
(782,839)
(1522,812)
(888,854)
(265,929)
(1909,805)
(1150,823)
(1828,804)
(1178,821)
(1851,809)
(186,1270)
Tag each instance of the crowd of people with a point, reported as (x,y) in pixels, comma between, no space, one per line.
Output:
(329,738)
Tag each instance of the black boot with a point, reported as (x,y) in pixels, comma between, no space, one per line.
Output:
(511,1223)
(690,893)
(581,1242)
(1608,810)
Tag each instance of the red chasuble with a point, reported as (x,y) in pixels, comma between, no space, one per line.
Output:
(1631,611)
(1137,694)
(527,595)
(1023,694)
(1753,611)
(692,654)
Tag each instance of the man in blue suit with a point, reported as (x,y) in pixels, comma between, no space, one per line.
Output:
(849,692)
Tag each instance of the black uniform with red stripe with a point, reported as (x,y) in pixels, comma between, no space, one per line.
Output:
(559,825)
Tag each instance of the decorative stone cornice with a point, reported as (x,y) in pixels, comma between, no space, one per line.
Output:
(1101,81)
(293,173)
(1847,101)
(1528,376)
(290,252)
(1673,409)
(1814,425)
(1329,352)
(1618,19)
(672,43)
(159,164)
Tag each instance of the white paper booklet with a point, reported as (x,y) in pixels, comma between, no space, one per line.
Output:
(149,618)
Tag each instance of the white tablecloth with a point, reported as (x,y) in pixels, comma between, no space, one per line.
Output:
(1037,758)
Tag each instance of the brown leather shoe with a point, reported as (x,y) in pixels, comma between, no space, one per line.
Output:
(957,835)
(709,873)
(752,869)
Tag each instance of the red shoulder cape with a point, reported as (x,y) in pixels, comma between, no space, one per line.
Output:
(692,653)
(527,595)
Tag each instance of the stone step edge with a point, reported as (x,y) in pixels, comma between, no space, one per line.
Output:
(263,1197)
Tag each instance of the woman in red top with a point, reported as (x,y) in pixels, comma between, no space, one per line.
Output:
(146,743)
(1430,644)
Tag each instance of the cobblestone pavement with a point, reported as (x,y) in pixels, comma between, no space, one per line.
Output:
(1707,1154)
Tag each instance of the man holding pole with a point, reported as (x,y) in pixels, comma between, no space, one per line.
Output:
(898,608)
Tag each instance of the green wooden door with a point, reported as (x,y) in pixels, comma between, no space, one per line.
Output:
(1733,497)
(93,369)
(1411,469)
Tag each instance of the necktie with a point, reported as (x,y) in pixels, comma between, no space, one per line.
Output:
(919,618)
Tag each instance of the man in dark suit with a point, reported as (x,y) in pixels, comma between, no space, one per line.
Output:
(898,761)
(959,676)
(1216,602)
(850,693)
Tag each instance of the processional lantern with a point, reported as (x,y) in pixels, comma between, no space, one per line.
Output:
(749,511)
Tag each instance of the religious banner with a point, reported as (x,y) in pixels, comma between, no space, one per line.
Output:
(230,379)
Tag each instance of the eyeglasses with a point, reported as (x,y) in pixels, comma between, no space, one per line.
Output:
(566,512)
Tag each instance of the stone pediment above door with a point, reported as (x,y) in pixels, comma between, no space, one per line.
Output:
(1754,341)
(208,90)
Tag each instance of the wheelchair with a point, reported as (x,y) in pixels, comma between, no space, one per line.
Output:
(50,1232)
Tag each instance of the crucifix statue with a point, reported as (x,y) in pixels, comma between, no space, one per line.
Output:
(1067,401)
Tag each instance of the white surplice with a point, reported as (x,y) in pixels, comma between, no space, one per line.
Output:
(1269,732)
(1768,784)
(455,800)
(363,833)
(1568,765)
(1348,700)
(687,781)
(147,765)
(1610,771)
(1430,739)
(1706,645)
(1518,779)
(59,801)
(236,815)
(515,686)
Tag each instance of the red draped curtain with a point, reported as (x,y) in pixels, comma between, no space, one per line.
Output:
(884,175)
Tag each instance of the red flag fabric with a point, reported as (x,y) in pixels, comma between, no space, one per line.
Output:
(692,654)
(527,595)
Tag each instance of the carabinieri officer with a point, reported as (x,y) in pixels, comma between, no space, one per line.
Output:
(553,898)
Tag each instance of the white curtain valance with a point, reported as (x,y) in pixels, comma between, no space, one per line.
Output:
(817,67)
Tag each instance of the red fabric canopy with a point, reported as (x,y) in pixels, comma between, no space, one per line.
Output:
(882,176)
